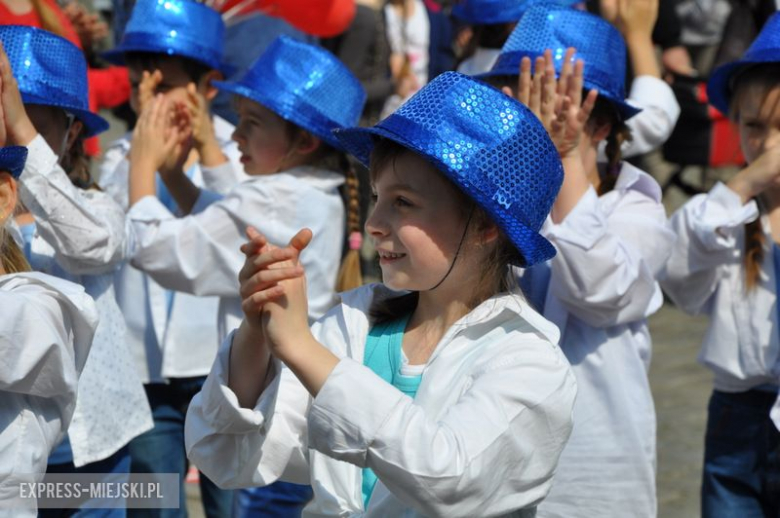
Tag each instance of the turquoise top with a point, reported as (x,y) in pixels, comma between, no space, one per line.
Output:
(383,357)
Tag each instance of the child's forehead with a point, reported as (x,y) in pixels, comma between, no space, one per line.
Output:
(149,62)
(760,100)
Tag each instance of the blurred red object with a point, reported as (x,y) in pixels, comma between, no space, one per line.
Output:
(323,18)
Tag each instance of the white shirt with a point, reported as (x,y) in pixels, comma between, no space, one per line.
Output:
(45,335)
(602,289)
(481,438)
(200,253)
(481,62)
(82,237)
(651,127)
(705,275)
(179,343)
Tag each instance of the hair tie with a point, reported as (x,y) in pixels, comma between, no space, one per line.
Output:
(355,240)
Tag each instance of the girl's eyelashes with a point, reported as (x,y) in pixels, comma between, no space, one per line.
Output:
(400,201)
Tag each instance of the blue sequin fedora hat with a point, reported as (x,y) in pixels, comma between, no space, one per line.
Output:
(12,159)
(175,27)
(487,12)
(488,144)
(50,71)
(764,49)
(598,43)
(305,85)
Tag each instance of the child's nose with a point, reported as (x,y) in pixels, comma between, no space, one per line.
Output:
(375,224)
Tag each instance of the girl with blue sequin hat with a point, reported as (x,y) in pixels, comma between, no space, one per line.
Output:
(407,392)
(726,264)
(610,230)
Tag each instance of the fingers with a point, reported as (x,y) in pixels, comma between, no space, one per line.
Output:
(549,86)
(266,279)
(587,106)
(536,86)
(524,82)
(577,83)
(256,243)
(302,239)
(259,299)
(566,72)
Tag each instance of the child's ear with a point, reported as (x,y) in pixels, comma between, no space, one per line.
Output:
(489,234)
(7,196)
(307,143)
(206,84)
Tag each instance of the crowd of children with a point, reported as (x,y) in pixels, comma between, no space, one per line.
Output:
(200,299)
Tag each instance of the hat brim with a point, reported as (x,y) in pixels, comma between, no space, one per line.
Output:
(270,102)
(116,56)
(533,247)
(93,123)
(721,81)
(625,110)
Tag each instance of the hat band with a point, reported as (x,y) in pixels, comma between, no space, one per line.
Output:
(40,93)
(508,63)
(762,55)
(174,45)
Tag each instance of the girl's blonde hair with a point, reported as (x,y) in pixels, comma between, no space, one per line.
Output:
(11,256)
(756,81)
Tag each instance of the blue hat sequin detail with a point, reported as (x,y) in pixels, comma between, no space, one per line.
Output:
(305,85)
(598,44)
(12,159)
(764,49)
(50,71)
(175,27)
(489,145)
(487,12)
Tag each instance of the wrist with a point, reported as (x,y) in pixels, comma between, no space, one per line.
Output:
(743,187)
(23,132)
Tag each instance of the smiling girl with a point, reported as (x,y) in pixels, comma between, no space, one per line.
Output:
(439,393)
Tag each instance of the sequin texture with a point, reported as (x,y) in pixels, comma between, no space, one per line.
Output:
(490,146)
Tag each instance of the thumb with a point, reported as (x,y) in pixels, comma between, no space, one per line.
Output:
(302,239)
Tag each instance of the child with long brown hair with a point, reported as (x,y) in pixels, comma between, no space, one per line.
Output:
(726,264)
(610,229)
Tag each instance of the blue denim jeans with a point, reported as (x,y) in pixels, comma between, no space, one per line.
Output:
(279,500)
(741,457)
(161,449)
(117,463)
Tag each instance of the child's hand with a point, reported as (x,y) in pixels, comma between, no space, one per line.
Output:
(155,136)
(631,17)
(89,27)
(18,128)
(762,174)
(179,120)
(557,103)
(204,138)
(273,289)
(147,88)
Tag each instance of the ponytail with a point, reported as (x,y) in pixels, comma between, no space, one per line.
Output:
(11,257)
(605,113)
(754,253)
(350,276)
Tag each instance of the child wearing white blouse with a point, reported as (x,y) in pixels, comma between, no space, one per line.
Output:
(46,331)
(75,232)
(439,393)
(726,264)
